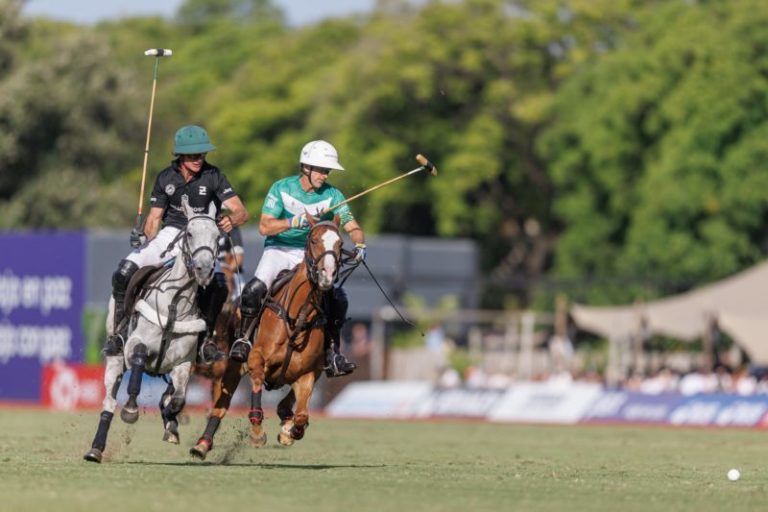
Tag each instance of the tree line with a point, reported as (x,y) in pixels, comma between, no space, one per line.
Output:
(611,148)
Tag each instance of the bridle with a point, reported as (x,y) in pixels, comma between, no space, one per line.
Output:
(312,263)
(188,255)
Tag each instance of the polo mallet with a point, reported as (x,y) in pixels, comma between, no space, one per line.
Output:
(156,53)
(426,165)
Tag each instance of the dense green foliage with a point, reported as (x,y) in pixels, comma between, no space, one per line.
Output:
(658,149)
(378,466)
(612,143)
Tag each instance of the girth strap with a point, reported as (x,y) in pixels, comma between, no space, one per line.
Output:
(168,329)
(296,327)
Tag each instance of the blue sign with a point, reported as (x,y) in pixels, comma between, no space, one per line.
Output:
(41,307)
(623,406)
(721,410)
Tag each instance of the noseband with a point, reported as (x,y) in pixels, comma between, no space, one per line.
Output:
(185,251)
(311,263)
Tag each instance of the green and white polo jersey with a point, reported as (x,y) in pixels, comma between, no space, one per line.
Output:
(286,198)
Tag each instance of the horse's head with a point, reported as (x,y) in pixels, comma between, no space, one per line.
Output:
(323,253)
(200,244)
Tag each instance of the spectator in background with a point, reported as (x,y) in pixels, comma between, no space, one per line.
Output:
(435,339)
(361,341)
(743,383)
(663,381)
(700,381)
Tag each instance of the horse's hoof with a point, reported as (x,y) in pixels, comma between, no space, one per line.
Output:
(200,450)
(284,436)
(171,437)
(93,455)
(284,439)
(297,432)
(259,441)
(129,415)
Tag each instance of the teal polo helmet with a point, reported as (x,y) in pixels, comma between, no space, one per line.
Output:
(191,140)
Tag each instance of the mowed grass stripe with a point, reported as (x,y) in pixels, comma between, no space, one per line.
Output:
(378,465)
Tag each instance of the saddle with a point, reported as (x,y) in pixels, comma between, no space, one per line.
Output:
(138,284)
(282,279)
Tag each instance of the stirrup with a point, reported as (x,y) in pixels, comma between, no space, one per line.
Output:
(240,350)
(338,366)
(209,352)
(114,345)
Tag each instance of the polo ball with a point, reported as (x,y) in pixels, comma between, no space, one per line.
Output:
(734,475)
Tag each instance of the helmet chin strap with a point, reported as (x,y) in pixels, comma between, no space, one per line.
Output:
(308,174)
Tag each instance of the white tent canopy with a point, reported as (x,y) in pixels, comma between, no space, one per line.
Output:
(738,304)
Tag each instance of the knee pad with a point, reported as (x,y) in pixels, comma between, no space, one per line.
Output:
(252,296)
(122,276)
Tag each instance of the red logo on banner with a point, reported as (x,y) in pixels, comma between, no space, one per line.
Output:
(73,386)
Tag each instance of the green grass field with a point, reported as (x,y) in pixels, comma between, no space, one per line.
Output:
(368,465)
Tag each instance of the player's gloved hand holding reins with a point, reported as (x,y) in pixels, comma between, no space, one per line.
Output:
(137,239)
(361,252)
(299,221)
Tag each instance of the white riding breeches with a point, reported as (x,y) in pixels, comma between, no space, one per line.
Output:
(276,259)
(151,253)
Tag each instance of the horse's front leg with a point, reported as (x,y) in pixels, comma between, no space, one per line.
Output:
(138,361)
(302,389)
(285,413)
(256,414)
(224,387)
(113,375)
(174,402)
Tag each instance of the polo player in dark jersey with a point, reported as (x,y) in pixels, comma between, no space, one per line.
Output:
(189,176)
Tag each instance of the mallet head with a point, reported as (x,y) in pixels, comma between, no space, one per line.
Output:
(158,52)
(427,164)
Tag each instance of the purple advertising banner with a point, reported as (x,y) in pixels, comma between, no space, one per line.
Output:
(42,278)
(633,407)
(721,410)
(675,409)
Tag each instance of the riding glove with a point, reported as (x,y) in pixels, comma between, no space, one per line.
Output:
(361,252)
(299,221)
(137,239)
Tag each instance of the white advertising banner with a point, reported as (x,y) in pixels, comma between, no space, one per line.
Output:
(379,399)
(541,402)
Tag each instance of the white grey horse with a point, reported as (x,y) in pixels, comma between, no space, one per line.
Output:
(163,332)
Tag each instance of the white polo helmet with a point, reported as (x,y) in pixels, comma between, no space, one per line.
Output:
(319,153)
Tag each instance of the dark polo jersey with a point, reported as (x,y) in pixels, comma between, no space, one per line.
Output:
(209,185)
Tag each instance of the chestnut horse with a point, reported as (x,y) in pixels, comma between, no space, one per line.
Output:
(224,373)
(290,340)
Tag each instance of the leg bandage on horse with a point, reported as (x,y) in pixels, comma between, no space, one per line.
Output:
(100,441)
(138,363)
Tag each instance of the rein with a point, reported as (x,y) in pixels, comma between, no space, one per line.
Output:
(182,235)
(168,328)
(301,324)
(188,258)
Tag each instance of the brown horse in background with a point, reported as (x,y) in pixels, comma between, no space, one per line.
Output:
(225,374)
(290,340)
